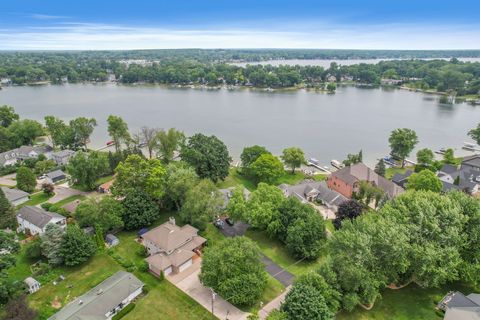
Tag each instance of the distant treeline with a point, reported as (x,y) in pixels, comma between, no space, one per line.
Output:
(440,75)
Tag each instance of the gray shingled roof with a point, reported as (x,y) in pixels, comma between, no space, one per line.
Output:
(63,153)
(473,161)
(100,300)
(37,216)
(56,174)
(14,194)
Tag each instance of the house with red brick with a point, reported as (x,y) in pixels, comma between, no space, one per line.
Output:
(346,181)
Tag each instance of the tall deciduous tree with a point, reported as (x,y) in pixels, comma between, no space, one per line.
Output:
(234,270)
(140,210)
(293,157)
(106,212)
(267,168)
(86,168)
(402,142)
(237,204)
(24,132)
(118,131)
(263,206)
(475,134)
(18,309)
(167,142)
(424,180)
(7,116)
(202,203)
(380,168)
(77,247)
(7,213)
(149,136)
(306,237)
(425,157)
(26,179)
(449,157)
(180,178)
(57,130)
(52,240)
(81,130)
(251,154)
(303,301)
(208,155)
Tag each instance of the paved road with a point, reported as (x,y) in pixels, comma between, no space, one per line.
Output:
(8,180)
(282,275)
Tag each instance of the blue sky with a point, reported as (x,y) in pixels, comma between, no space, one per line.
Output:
(360,24)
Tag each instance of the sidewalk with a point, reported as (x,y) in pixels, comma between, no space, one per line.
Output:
(274,304)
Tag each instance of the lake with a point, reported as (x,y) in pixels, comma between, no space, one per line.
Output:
(325,126)
(326,62)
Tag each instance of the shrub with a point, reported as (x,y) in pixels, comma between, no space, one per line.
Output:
(34,249)
(142,252)
(47,206)
(124,311)
(143,266)
(146,289)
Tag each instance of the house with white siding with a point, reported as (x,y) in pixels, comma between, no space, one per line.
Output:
(35,220)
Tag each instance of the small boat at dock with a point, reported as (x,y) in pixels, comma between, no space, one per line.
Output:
(337,164)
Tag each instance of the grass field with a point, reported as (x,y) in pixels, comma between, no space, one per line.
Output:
(36,198)
(69,199)
(235,178)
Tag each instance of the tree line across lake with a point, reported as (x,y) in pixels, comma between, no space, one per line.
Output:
(188,68)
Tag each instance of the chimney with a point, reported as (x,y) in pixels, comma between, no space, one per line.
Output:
(171,220)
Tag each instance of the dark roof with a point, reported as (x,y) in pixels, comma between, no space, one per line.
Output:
(449,168)
(449,187)
(329,196)
(56,174)
(473,161)
(14,194)
(399,177)
(458,299)
(360,172)
(63,153)
(37,216)
(110,238)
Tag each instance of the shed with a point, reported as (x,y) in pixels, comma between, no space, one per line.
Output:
(32,284)
(90,231)
(111,240)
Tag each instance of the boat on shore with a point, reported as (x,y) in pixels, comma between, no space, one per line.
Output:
(337,164)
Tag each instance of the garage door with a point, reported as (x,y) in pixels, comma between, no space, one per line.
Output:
(167,271)
(185,265)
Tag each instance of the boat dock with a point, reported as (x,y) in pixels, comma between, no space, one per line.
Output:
(315,163)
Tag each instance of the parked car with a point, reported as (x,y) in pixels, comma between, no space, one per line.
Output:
(230,221)
(219,223)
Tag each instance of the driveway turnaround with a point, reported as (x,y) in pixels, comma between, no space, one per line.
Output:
(282,275)
(222,309)
(63,192)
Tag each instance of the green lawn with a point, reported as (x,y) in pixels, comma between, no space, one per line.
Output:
(36,198)
(98,182)
(65,201)
(276,251)
(390,172)
(409,303)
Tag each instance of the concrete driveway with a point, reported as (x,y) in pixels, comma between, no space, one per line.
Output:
(8,180)
(190,284)
(63,191)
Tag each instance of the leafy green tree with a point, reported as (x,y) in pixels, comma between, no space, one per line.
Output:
(139,174)
(180,178)
(368,192)
(105,213)
(237,204)
(44,166)
(168,142)
(77,247)
(81,130)
(6,141)
(9,246)
(150,137)
(18,309)
(306,237)
(208,155)
(303,301)
(57,130)
(350,209)
(402,142)
(425,157)
(7,213)
(475,134)
(263,206)
(293,157)
(24,132)
(251,154)
(234,270)
(140,210)
(380,168)
(26,179)
(86,168)
(424,180)
(331,87)
(52,240)
(449,157)
(7,116)
(277,315)
(267,168)
(33,249)
(202,203)
(353,158)
(118,131)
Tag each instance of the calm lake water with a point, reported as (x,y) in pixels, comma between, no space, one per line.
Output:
(326,62)
(324,126)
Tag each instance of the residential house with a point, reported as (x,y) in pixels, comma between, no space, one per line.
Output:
(401,179)
(171,248)
(35,219)
(32,285)
(56,176)
(314,191)
(14,196)
(464,178)
(11,157)
(227,194)
(103,301)
(457,306)
(62,157)
(347,181)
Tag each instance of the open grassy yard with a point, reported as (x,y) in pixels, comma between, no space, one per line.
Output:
(409,303)
(276,251)
(235,178)
(36,198)
(390,172)
(69,199)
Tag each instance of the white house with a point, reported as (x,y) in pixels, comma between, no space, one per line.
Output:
(24,152)
(14,196)
(103,301)
(36,219)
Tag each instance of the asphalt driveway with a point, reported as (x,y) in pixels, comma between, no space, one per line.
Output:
(238,229)
(273,269)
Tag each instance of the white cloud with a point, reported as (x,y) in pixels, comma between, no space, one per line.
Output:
(89,36)
(39,16)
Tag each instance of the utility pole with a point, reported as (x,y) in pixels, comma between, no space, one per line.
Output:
(213,299)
